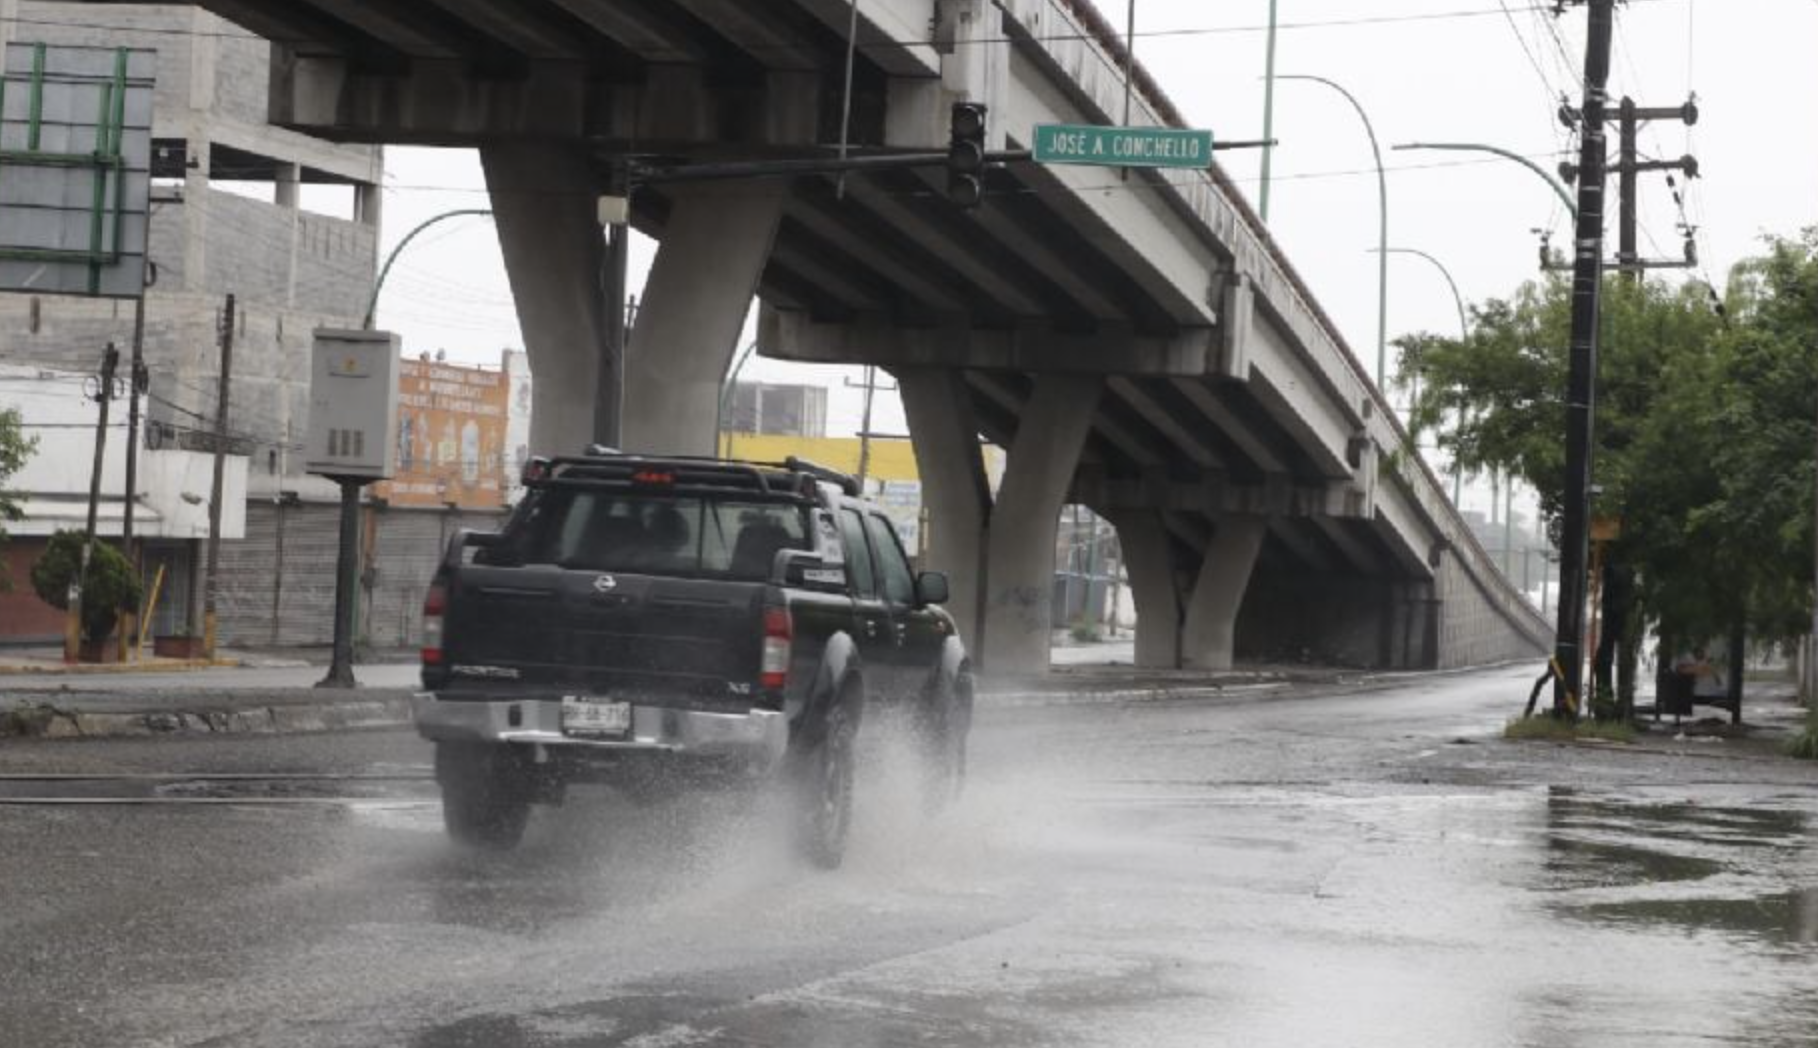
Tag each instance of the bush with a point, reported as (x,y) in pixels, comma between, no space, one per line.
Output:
(1805,744)
(1085,631)
(110,586)
(1549,728)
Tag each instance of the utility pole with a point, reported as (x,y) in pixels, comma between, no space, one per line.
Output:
(870,387)
(104,393)
(210,582)
(138,380)
(615,213)
(1629,166)
(1581,389)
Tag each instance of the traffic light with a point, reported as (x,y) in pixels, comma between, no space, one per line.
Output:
(966,155)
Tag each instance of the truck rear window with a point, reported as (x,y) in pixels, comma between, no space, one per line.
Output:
(654,535)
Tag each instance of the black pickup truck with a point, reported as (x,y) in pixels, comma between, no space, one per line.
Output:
(654,623)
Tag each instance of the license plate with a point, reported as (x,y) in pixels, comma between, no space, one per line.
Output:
(584,716)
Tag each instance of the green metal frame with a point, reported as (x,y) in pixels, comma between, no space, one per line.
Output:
(105,161)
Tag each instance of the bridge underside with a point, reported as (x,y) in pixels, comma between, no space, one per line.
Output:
(1132,339)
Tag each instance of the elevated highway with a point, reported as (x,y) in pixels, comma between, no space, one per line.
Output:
(1137,342)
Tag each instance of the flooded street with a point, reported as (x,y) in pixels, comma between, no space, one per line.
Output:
(1367,865)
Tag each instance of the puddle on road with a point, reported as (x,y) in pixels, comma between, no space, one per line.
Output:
(1789,917)
(1727,868)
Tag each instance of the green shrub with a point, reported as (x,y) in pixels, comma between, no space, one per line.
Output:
(1805,744)
(1084,631)
(1551,728)
(110,586)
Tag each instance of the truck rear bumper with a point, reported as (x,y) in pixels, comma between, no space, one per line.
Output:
(758,736)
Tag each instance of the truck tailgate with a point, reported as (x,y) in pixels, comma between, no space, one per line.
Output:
(688,641)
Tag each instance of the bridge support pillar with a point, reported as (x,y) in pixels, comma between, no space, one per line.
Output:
(714,248)
(1209,634)
(1148,553)
(1000,555)
(954,488)
(544,203)
(1020,550)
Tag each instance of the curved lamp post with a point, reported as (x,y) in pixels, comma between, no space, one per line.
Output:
(1464,326)
(1475,147)
(372,304)
(1464,331)
(1382,189)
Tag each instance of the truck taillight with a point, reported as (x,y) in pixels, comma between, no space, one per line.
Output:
(779,633)
(435,603)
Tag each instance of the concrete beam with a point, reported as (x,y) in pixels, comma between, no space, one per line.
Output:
(754,31)
(1291,394)
(1020,552)
(1213,494)
(1054,263)
(695,300)
(639,29)
(1253,446)
(893,35)
(1363,558)
(796,336)
(954,245)
(518,27)
(833,223)
(441,102)
(414,36)
(1185,437)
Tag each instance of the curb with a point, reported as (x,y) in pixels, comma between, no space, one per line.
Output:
(80,669)
(1184,693)
(51,722)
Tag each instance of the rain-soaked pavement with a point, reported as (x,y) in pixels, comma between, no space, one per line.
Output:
(1298,866)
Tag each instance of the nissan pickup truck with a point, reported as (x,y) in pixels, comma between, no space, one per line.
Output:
(656,624)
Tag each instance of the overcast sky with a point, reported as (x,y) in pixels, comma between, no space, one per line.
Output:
(1431,70)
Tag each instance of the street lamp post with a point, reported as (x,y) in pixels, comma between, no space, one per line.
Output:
(1268,111)
(1475,147)
(1464,331)
(1382,189)
(372,304)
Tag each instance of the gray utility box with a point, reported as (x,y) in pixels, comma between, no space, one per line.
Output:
(353,404)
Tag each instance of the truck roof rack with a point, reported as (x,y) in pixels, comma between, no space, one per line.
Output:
(844,481)
(601,463)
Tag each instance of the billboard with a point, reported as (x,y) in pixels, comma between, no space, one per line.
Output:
(75,169)
(453,437)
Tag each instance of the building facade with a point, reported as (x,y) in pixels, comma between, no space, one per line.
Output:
(227,218)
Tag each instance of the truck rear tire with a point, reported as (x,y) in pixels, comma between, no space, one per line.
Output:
(824,791)
(485,794)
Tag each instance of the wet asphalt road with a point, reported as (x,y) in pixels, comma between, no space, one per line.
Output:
(1291,867)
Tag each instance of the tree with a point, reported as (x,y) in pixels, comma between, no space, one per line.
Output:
(1505,383)
(109,585)
(15,448)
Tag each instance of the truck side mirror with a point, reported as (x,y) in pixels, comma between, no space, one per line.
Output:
(931,588)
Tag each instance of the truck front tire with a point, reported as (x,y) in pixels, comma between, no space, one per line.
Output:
(485,794)
(941,728)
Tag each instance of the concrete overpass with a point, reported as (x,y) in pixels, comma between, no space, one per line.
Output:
(1140,346)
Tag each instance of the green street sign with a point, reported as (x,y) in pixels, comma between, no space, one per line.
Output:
(1122,146)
